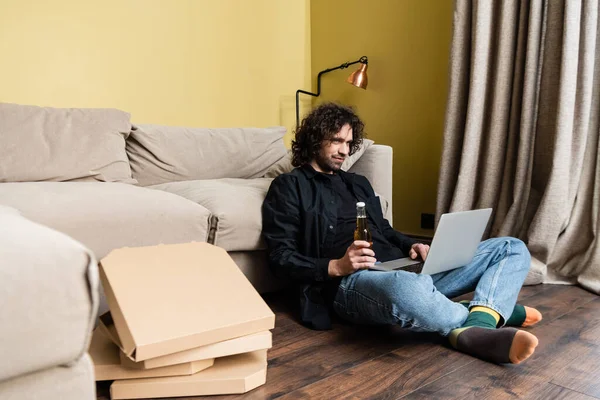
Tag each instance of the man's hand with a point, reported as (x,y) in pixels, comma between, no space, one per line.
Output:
(419,249)
(358,256)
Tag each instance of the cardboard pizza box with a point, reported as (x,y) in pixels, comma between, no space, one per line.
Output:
(107,365)
(165,299)
(229,375)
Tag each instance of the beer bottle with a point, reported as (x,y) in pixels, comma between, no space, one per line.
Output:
(362,231)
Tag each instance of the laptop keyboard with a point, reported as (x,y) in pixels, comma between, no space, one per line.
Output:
(416,268)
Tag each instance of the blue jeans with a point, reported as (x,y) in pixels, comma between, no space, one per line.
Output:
(421,302)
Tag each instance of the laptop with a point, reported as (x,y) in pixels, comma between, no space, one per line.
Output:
(454,244)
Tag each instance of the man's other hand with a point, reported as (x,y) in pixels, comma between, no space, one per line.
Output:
(419,250)
(358,256)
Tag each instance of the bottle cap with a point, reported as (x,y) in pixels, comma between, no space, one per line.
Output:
(360,204)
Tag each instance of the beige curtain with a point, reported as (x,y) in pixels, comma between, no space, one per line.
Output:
(521,133)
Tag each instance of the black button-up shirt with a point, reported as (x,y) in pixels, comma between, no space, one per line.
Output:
(299,220)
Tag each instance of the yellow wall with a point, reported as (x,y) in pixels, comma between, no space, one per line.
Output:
(187,62)
(408,44)
(238,63)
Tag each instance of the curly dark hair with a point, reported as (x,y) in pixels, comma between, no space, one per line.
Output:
(323,123)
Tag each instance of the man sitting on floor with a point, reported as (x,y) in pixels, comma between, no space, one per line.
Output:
(309,217)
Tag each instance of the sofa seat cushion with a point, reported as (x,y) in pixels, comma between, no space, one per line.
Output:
(8,210)
(235,205)
(73,382)
(106,216)
(49,297)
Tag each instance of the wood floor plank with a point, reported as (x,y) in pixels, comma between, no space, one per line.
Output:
(374,376)
(377,379)
(583,373)
(558,348)
(558,300)
(479,391)
(527,291)
(389,363)
(389,376)
(314,358)
(555,392)
(287,338)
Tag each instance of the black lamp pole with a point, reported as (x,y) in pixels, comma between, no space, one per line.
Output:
(363,60)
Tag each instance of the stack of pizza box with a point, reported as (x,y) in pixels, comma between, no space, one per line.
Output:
(183,321)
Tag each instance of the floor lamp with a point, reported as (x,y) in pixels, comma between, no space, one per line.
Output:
(358,78)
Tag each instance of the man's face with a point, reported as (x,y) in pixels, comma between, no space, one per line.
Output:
(334,151)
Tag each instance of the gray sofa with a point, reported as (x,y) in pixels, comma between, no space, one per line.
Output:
(93,176)
(49,297)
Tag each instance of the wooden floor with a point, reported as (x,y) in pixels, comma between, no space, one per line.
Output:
(352,362)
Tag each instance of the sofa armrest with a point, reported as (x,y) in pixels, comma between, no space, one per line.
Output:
(49,297)
(376,165)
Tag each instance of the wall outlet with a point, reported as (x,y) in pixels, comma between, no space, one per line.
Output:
(427,221)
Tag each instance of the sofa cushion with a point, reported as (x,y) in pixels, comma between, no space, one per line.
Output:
(49,297)
(8,210)
(75,382)
(106,216)
(63,144)
(160,154)
(235,204)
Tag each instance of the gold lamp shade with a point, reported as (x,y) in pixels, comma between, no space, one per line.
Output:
(359,77)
